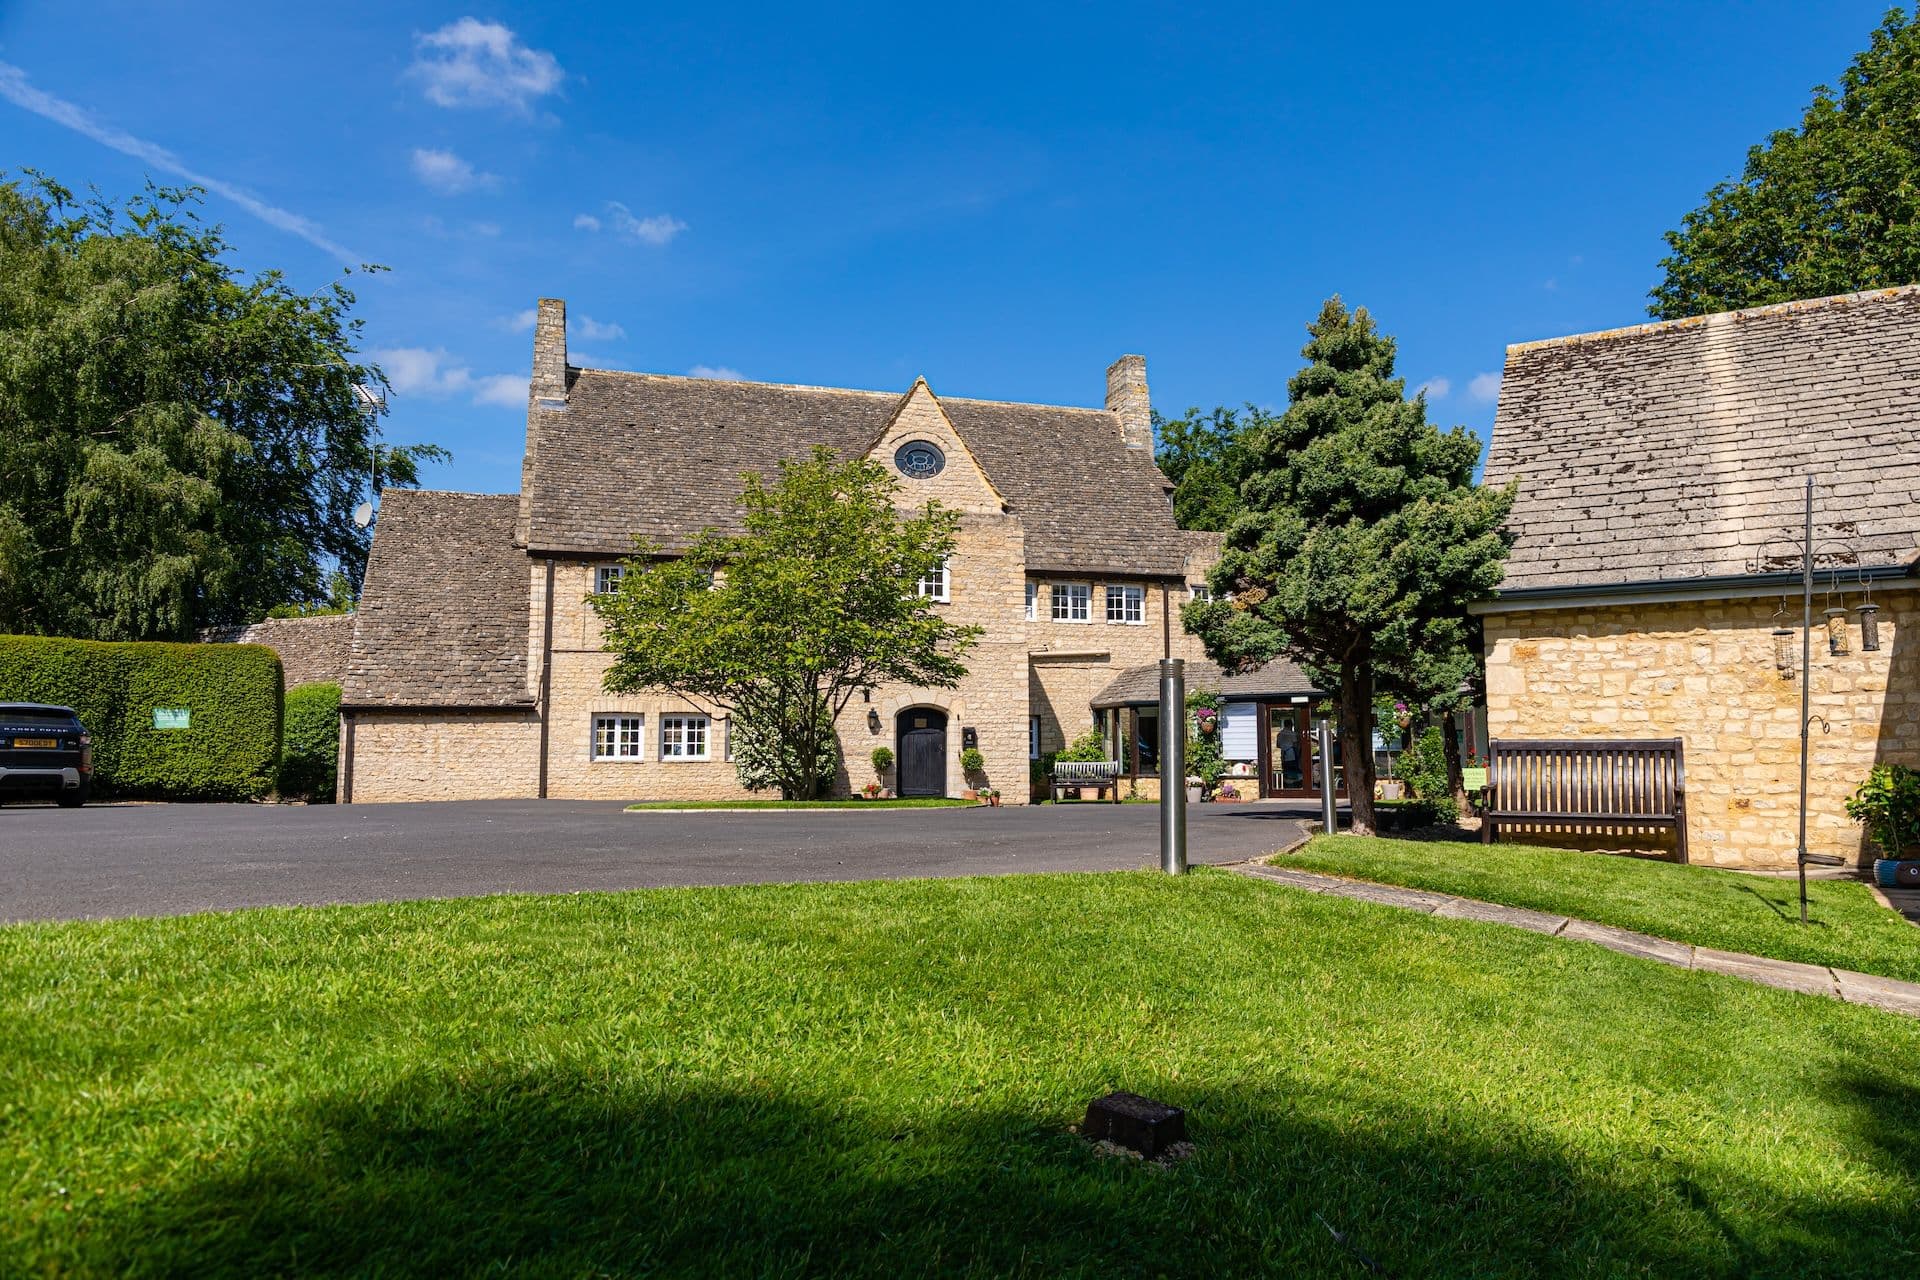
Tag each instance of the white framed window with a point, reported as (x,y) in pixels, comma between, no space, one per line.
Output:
(1072,602)
(1033,737)
(935,585)
(1199,591)
(619,737)
(606,577)
(1033,599)
(684,738)
(1126,604)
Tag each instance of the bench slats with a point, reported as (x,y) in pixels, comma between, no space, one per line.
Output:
(1587,782)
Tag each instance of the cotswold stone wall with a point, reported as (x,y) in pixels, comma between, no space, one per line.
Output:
(428,755)
(311,649)
(1705,672)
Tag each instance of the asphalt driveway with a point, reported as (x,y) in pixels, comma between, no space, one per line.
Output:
(141,860)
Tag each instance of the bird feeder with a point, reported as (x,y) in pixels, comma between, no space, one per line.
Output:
(1869,627)
(1783,652)
(1837,632)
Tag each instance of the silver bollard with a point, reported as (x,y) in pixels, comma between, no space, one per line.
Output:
(1173,766)
(1329,818)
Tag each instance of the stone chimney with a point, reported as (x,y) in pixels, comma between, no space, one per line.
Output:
(550,355)
(1127,400)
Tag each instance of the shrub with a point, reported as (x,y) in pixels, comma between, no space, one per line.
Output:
(1205,727)
(310,745)
(762,756)
(1888,805)
(231,747)
(882,760)
(1087,747)
(972,763)
(1424,767)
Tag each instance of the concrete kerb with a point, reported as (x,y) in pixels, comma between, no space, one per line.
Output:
(1841,984)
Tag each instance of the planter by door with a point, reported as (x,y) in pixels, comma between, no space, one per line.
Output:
(923,752)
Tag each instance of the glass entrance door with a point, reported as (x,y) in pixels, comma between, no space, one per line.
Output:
(1291,759)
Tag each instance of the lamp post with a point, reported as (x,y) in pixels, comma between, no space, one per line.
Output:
(1173,766)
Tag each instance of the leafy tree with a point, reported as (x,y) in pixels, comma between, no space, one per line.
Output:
(1830,207)
(341,598)
(1363,537)
(1439,680)
(1201,454)
(179,446)
(782,624)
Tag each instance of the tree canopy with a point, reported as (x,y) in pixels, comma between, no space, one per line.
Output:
(179,446)
(1831,207)
(1199,451)
(1362,536)
(782,624)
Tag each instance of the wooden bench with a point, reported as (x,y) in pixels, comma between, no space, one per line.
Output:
(1587,782)
(1101,775)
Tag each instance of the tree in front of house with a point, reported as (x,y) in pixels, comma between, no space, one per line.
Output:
(180,446)
(781,625)
(1831,207)
(1201,453)
(1362,535)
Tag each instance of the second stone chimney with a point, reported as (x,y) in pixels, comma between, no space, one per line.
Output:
(1127,400)
(550,354)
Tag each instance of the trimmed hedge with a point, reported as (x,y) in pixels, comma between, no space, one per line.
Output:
(310,749)
(231,747)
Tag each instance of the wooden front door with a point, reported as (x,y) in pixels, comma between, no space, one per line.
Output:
(923,752)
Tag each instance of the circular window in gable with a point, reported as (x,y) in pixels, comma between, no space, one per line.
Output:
(920,459)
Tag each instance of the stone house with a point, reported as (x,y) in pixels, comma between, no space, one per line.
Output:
(476,665)
(1654,590)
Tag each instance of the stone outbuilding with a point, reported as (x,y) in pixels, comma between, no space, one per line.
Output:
(477,665)
(1654,590)
(312,650)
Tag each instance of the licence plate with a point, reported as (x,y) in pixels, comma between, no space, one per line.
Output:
(31,744)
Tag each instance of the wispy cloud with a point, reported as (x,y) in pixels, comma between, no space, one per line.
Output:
(1434,388)
(620,221)
(716,372)
(448,174)
(431,372)
(17,89)
(470,63)
(1485,387)
(579,325)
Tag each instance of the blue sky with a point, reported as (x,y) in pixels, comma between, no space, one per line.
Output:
(1002,200)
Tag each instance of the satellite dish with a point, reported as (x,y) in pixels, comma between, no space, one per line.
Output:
(363,514)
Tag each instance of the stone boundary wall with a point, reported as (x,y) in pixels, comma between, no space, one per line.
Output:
(311,650)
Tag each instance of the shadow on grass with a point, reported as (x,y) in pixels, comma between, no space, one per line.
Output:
(585,1173)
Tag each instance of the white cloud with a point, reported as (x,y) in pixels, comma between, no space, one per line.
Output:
(1434,388)
(1485,387)
(470,63)
(15,88)
(448,174)
(432,373)
(716,372)
(579,325)
(655,230)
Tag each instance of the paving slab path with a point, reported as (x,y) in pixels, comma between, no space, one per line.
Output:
(1789,975)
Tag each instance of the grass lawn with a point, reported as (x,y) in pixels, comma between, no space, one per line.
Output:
(1727,910)
(912,802)
(879,1080)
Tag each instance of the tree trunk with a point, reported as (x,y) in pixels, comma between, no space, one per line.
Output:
(1356,743)
(1450,740)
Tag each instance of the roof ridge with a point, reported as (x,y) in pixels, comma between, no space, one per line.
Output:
(832,391)
(442,493)
(1713,317)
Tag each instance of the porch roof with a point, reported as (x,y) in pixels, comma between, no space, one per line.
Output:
(1140,686)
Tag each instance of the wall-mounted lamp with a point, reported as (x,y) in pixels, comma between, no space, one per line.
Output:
(873,720)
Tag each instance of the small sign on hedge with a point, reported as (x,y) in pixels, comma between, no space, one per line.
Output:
(171,717)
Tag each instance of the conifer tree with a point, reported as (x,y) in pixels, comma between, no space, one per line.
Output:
(1362,535)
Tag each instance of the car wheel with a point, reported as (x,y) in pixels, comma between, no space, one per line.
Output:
(73,799)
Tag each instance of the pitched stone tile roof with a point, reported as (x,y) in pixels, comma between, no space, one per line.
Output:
(311,649)
(1278,679)
(662,456)
(1678,450)
(444,609)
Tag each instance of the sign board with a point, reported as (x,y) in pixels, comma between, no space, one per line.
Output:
(171,717)
(1474,779)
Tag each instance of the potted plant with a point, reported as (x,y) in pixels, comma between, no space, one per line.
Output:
(871,791)
(991,796)
(973,765)
(1888,806)
(882,758)
(1227,793)
(1193,789)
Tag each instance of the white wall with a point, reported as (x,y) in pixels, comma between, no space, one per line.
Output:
(1240,731)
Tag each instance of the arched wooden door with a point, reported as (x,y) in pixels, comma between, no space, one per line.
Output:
(923,752)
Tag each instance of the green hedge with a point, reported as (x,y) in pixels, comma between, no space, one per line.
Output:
(310,750)
(231,747)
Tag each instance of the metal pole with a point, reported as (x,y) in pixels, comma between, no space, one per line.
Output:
(1806,692)
(1329,819)
(1173,766)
